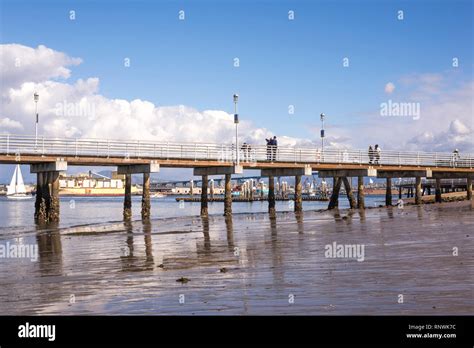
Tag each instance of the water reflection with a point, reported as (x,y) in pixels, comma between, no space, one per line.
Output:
(147,228)
(129,230)
(130,260)
(276,253)
(49,249)
(299,222)
(362,215)
(230,232)
(419,212)
(207,238)
(389,212)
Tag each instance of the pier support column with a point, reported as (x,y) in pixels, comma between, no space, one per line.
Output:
(271,195)
(41,212)
(212,189)
(145,169)
(38,197)
(469,189)
(127,201)
(191,188)
(204,210)
(360,192)
(298,196)
(438,191)
(388,192)
(251,190)
(350,196)
(227,196)
(146,197)
(47,189)
(334,202)
(46,192)
(53,214)
(418,190)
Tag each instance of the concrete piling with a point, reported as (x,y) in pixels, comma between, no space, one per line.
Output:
(334,201)
(298,195)
(146,197)
(127,202)
(53,214)
(39,196)
(204,208)
(388,192)
(46,192)
(469,189)
(360,192)
(227,196)
(418,190)
(438,191)
(271,195)
(350,196)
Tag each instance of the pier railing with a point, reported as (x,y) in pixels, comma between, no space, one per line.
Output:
(17,145)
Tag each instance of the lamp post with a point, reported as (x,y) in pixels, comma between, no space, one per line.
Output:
(322,133)
(322,136)
(236,121)
(36,98)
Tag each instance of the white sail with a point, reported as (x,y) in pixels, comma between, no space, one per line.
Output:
(11,188)
(17,189)
(20,185)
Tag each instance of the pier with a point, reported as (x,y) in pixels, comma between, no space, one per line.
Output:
(50,156)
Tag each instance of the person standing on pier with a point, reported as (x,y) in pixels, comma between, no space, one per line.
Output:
(244,149)
(269,148)
(274,148)
(371,154)
(377,154)
(249,149)
(455,157)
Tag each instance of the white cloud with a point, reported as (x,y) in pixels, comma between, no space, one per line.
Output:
(78,110)
(19,64)
(6,123)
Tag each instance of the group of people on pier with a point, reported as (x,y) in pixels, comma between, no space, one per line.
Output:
(272,145)
(374,154)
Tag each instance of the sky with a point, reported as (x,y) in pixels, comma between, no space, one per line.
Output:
(167,70)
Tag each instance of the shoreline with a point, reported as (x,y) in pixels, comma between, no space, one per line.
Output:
(250,264)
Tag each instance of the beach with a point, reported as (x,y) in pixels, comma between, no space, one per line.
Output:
(416,260)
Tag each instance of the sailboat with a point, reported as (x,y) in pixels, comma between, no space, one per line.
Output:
(16,189)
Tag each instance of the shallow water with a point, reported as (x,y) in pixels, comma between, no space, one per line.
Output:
(250,264)
(86,210)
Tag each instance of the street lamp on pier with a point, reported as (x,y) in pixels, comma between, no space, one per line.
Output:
(322,132)
(236,121)
(36,98)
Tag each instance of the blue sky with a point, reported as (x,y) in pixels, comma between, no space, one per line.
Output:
(282,62)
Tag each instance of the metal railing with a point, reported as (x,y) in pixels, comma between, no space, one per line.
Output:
(17,145)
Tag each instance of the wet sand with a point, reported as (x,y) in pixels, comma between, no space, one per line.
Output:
(133,268)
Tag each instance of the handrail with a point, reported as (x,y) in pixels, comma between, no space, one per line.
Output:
(25,144)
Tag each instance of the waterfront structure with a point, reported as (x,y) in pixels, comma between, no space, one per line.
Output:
(88,185)
(53,155)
